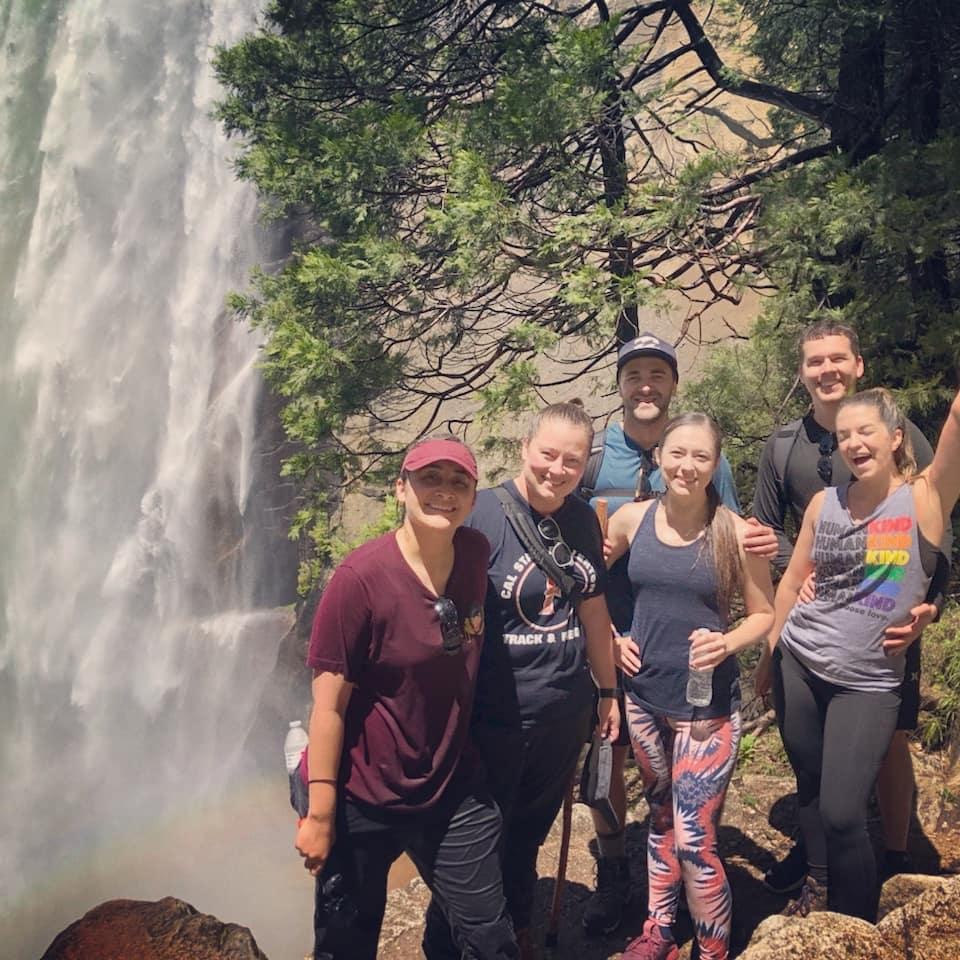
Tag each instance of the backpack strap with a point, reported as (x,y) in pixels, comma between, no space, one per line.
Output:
(784,443)
(527,534)
(588,483)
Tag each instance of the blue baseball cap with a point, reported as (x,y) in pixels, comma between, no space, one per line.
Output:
(648,345)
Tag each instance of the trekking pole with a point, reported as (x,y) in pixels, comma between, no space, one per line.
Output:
(566,828)
(554,925)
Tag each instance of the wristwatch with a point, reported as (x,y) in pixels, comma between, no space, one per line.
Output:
(608,693)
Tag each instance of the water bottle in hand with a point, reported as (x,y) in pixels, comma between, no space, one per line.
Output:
(293,746)
(699,682)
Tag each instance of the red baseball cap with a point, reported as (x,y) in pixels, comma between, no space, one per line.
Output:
(432,451)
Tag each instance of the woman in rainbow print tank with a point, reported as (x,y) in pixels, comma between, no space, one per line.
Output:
(872,544)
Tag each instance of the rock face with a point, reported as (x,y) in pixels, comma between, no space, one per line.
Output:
(928,926)
(925,927)
(821,936)
(903,887)
(167,929)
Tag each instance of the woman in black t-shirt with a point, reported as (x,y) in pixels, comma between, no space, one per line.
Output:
(534,690)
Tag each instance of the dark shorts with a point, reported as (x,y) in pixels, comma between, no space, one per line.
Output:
(910,690)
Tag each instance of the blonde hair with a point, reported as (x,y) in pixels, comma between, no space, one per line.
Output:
(571,412)
(720,533)
(883,402)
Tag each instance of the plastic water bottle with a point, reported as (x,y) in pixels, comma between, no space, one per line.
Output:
(699,682)
(293,746)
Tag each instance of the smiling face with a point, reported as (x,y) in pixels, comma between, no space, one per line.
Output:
(646,387)
(554,459)
(829,369)
(438,496)
(688,457)
(865,442)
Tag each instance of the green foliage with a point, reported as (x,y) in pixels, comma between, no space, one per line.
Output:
(474,187)
(747,748)
(940,719)
(846,243)
(458,179)
(326,547)
(749,388)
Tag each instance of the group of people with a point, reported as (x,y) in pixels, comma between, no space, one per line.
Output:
(460,662)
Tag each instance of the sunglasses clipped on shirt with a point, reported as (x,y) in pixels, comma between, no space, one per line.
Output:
(557,547)
(446,611)
(826,447)
(644,489)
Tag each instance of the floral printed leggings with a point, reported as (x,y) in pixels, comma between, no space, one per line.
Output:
(686,767)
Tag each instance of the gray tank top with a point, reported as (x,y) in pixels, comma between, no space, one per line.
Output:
(675,592)
(870,573)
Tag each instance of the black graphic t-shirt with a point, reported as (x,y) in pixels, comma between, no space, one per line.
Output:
(533,665)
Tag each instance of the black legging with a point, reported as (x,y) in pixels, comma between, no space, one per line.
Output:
(836,740)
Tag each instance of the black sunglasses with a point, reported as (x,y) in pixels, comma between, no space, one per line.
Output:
(446,611)
(826,446)
(644,489)
(557,546)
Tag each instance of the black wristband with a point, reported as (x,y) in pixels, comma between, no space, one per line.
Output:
(608,693)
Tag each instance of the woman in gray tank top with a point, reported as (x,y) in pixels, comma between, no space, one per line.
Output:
(873,545)
(686,564)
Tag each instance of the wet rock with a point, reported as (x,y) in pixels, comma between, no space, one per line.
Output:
(928,926)
(167,929)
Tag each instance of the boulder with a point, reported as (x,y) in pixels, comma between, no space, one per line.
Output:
(820,936)
(928,926)
(167,929)
(903,887)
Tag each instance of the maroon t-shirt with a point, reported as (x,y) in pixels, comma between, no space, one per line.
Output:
(408,716)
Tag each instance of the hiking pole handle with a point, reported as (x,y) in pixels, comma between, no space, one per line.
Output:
(601,507)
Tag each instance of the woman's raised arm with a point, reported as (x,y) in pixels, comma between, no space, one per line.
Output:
(944,472)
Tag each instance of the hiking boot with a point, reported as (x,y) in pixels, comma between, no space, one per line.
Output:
(788,874)
(651,945)
(894,862)
(813,897)
(604,910)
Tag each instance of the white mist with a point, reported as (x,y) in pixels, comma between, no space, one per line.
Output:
(138,602)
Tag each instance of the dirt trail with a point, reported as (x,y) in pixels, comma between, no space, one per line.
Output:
(754,832)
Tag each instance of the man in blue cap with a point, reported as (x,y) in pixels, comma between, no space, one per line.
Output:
(622,468)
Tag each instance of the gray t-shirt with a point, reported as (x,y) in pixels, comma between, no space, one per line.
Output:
(870,573)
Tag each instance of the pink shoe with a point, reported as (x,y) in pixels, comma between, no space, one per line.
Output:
(651,945)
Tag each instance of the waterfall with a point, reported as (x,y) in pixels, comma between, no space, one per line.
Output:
(140,575)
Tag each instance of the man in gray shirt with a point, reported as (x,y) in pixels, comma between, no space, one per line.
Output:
(798,460)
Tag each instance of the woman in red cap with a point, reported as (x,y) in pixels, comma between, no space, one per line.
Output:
(394,650)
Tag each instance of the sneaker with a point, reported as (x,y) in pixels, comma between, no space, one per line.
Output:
(788,874)
(813,898)
(651,945)
(604,910)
